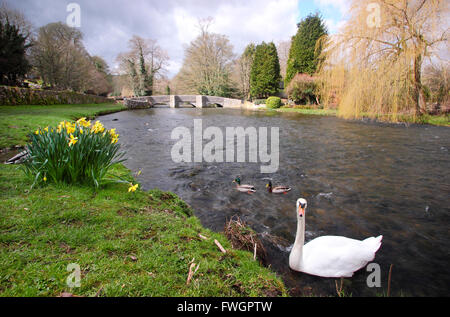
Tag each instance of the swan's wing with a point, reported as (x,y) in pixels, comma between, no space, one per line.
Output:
(333,256)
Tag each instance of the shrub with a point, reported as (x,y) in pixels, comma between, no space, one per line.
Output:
(273,102)
(72,153)
(302,89)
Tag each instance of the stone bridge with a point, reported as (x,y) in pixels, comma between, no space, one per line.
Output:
(174,101)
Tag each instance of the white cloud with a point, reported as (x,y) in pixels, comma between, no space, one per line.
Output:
(333,26)
(342,5)
(186,25)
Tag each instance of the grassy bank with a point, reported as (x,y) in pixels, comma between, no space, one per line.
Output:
(320,112)
(438,120)
(126,244)
(17,121)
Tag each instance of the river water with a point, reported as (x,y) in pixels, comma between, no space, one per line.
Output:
(360,179)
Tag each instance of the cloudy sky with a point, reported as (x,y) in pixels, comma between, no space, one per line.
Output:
(107,25)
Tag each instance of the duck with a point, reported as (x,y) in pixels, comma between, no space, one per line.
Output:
(329,256)
(277,189)
(244,188)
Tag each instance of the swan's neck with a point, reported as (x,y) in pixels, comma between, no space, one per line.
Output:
(300,239)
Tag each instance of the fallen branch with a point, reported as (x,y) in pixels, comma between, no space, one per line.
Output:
(192,272)
(220,246)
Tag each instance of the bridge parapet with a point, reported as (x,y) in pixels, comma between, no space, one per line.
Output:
(174,101)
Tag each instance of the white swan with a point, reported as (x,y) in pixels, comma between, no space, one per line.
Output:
(329,256)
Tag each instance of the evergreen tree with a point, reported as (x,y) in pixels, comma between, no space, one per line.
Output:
(13,63)
(303,55)
(265,73)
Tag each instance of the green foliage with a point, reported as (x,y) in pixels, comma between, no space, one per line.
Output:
(72,153)
(265,72)
(145,77)
(305,49)
(13,63)
(273,102)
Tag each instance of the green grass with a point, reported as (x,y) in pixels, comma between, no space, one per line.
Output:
(17,121)
(321,112)
(438,120)
(126,244)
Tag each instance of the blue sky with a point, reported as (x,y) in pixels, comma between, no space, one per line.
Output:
(332,11)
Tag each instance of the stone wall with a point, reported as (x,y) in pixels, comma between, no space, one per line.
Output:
(14,96)
(136,104)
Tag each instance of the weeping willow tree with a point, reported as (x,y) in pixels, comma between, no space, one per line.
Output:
(373,67)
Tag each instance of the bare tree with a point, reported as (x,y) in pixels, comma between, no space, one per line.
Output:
(60,57)
(16,18)
(100,80)
(243,68)
(283,49)
(207,64)
(144,62)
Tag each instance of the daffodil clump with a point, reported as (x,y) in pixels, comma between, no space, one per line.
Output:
(73,152)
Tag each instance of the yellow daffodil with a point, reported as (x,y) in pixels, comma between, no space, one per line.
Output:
(84,123)
(45,178)
(133,188)
(46,129)
(36,132)
(98,127)
(72,140)
(115,140)
(70,128)
(81,130)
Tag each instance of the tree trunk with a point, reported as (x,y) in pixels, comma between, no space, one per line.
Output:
(419,97)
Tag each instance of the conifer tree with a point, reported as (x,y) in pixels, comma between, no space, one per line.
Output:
(13,63)
(304,54)
(265,73)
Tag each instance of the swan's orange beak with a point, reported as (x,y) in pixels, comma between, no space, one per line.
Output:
(301,211)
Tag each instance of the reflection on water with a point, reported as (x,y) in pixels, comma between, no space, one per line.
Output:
(360,180)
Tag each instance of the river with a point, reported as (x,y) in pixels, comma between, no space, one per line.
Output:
(361,179)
